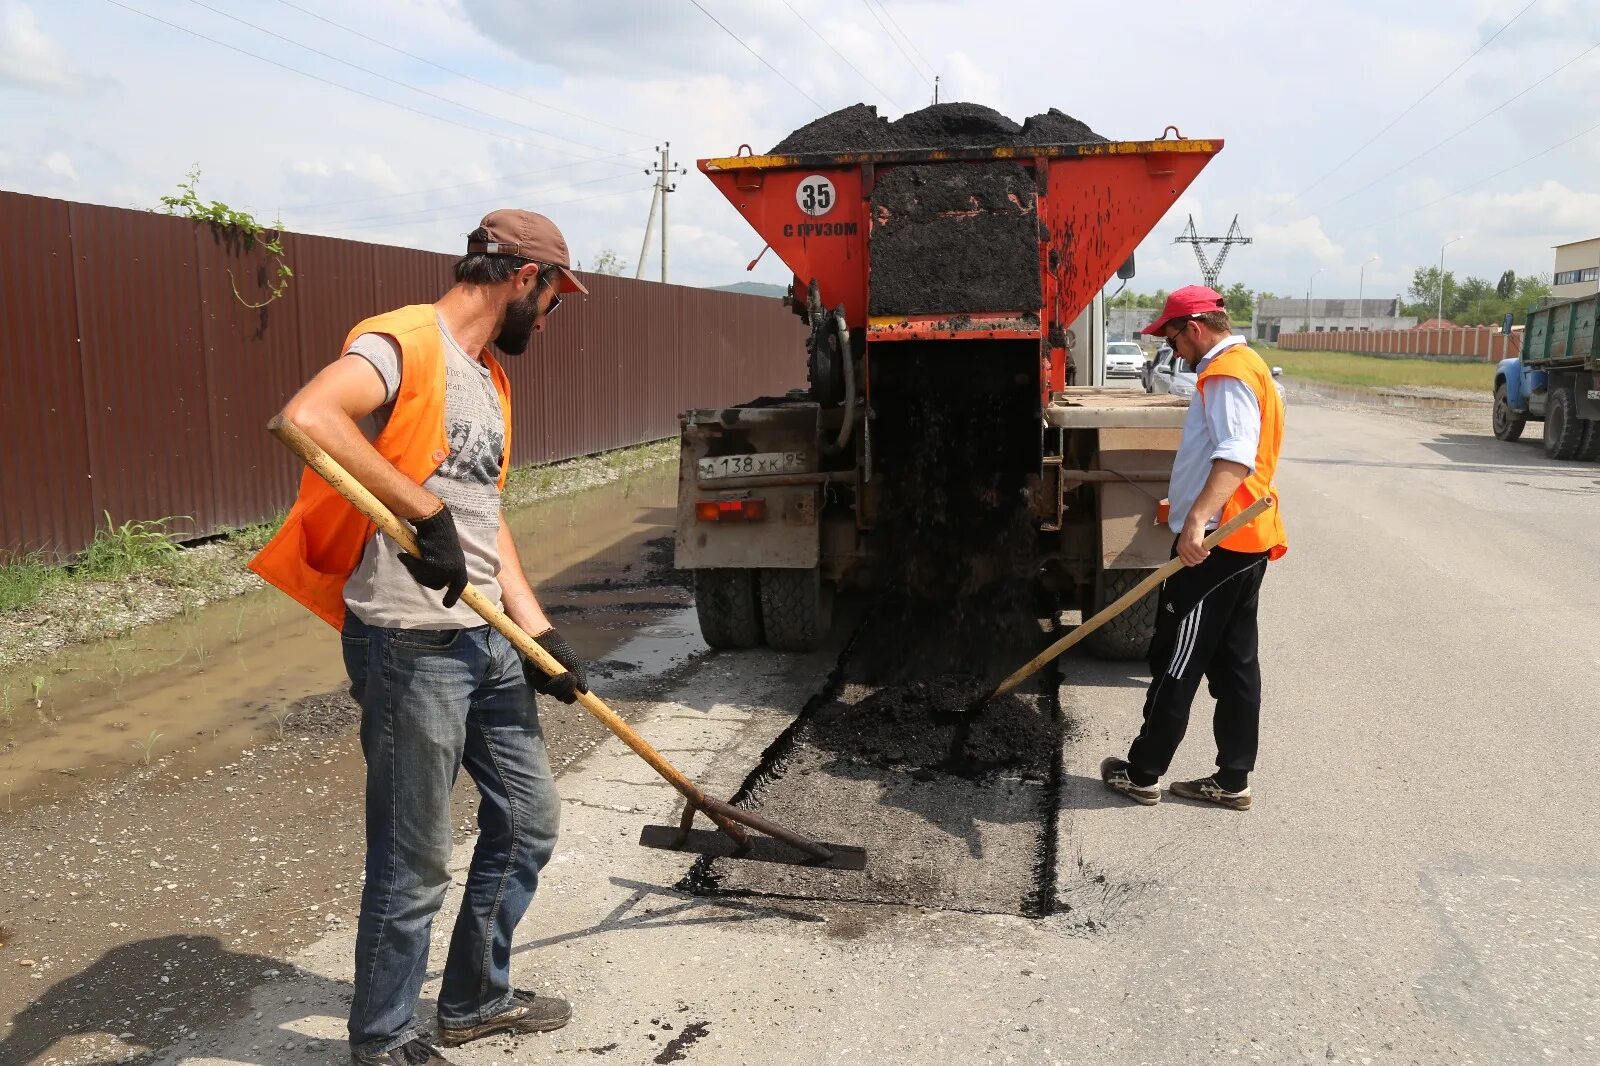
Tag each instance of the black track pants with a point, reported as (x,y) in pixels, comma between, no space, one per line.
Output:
(1205,626)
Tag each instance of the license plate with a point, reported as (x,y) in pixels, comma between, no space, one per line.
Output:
(755,465)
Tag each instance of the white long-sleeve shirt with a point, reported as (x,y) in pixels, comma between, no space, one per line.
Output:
(1224,422)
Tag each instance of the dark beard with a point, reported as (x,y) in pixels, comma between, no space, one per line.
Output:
(517,330)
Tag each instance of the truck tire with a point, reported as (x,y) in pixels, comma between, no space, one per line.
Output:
(794,609)
(725,602)
(1563,429)
(1507,423)
(1128,635)
(1589,450)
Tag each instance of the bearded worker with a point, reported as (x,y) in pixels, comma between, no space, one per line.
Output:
(439,690)
(1206,614)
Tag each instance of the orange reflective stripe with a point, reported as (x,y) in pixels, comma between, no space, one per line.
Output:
(1265,533)
(323,537)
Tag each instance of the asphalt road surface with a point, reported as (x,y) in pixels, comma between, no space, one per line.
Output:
(1417,882)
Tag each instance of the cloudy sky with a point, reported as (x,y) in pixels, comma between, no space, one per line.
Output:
(1354,128)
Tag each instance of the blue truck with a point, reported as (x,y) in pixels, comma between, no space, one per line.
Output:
(1556,381)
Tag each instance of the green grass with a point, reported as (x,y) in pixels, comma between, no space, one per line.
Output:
(1346,368)
(24,578)
(254,537)
(120,551)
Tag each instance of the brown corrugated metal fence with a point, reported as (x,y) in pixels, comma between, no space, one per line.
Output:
(134,382)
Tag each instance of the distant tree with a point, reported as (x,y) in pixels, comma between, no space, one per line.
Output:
(1531,289)
(609,262)
(1424,291)
(1240,301)
(1507,286)
(1473,303)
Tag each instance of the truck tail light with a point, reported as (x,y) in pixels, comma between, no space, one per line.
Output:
(752,509)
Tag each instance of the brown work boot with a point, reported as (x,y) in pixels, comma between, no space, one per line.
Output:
(1206,790)
(528,1013)
(1114,772)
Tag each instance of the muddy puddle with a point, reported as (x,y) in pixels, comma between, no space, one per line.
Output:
(198,689)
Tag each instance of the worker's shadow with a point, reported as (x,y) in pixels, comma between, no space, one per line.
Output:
(151,993)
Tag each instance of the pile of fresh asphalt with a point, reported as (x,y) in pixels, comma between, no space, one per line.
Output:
(955,808)
(947,239)
(859,128)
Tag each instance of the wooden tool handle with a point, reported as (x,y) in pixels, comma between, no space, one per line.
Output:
(375,509)
(1129,598)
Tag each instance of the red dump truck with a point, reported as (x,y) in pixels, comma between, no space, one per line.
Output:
(973,269)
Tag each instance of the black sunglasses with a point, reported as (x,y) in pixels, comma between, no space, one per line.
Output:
(551,276)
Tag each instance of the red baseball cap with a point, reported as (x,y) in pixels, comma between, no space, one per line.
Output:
(1189,300)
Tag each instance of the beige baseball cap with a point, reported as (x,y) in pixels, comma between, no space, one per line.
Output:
(531,236)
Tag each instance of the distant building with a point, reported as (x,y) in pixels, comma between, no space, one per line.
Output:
(1577,269)
(1276,316)
(1438,323)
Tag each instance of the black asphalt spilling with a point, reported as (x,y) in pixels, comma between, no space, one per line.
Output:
(956,809)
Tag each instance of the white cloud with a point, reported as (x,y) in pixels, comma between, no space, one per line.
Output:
(331,161)
(31,60)
(57,163)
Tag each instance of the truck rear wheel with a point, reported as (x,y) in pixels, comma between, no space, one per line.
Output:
(1507,423)
(1563,429)
(1128,635)
(1589,450)
(725,602)
(794,609)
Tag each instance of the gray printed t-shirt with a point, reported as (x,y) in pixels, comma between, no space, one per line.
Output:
(382,591)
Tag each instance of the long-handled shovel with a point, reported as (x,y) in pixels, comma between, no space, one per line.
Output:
(1126,600)
(731,841)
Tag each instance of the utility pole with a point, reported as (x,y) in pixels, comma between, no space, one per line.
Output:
(649,224)
(663,171)
(936,88)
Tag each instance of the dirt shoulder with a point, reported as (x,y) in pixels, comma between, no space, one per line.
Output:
(74,611)
(141,908)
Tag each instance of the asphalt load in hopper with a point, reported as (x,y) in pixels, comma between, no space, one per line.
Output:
(955,808)
(859,128)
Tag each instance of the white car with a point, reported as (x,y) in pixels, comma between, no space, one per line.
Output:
(1174,378)
(1124,359)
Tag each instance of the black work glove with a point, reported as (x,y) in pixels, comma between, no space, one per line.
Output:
(566,685)
(440,563)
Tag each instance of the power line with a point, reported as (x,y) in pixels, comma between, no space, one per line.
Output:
(459,73)
(502,179)
(335,84)
(393,81)
(896,42)
(759,56)
(896,24)
(1414,105)
(553,203)
(1429,151)
(402,215)
(836,52)
(1473,185)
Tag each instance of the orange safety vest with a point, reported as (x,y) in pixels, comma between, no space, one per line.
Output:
(1265,532)
(324,536)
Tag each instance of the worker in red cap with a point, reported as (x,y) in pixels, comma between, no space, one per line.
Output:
(1206,614)
(439,690)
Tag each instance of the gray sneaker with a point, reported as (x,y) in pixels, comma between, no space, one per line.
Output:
(414,1053)
(529,1013)
(1114,772)
(1206,790)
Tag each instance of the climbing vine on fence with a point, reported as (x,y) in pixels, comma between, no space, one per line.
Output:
(237,224)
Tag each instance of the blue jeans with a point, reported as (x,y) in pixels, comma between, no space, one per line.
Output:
(433,701)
